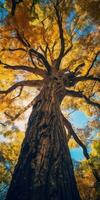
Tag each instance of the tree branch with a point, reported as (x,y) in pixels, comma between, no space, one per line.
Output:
(87,78)
(85,152)
(71,132)
(46,43)
(94,60)
(70,78)
(22,39)
(25,68)
(31,50)
(2,124)
(42,58)
(29,83)
(36,69)
(34,63)
(20,92)
(14,49)
(13,118)
(14,4)
(78,68)
(59,21)
(81,95)
(68,50)
(53,46)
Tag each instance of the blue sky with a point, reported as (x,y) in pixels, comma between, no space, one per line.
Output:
(77,154)
(2,1)
(3,14)
(84,30)
(3,11)
(79,119)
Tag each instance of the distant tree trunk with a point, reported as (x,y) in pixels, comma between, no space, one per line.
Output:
(44,170)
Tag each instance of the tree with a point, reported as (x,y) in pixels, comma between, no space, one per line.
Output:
(92,8)
(44,169)
(84,176)
(8,154)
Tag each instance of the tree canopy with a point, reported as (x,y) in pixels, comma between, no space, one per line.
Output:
(77,44)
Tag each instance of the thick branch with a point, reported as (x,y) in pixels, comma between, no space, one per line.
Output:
(42,58)
(87,78)
(30,83)
(35,70)
(81,95)
(25,68)
(85,152)
(13,7)
(70,79)
(70,65)
(32,60)
(59,21)
(46,43)
(31,50)
(40,63)
(71,132)
(14,4)
(22,39)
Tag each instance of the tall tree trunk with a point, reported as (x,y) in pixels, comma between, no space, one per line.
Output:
(44,170)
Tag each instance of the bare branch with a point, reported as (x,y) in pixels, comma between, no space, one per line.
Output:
(13,7)
(71,64)
(68,50)
(13,49)
(53,46)
(29,83)
(2,124)
(45,50)
(77,70)
(20,92)
(22,39)
(46,43)
(42,58)
(71,36)
(85,152)
(25,68)
(14,4)
(32,60)
(33,51)
(93,62)
(87,78)
(21,49)
(71,78)
(81,95)
(13,118)
(71,132)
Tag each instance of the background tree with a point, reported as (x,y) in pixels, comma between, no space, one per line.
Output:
(92,8)
(60,63)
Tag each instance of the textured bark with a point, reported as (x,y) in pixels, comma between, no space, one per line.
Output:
(44,170)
